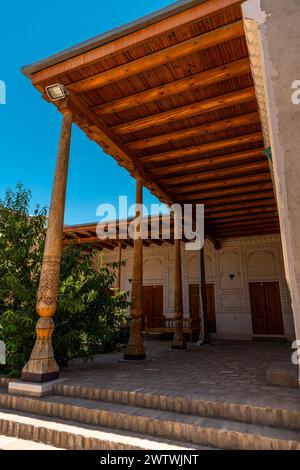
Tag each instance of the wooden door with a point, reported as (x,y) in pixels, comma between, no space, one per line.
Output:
(153,308)
(194,299)
(266,308)
(147,304)
(211,311)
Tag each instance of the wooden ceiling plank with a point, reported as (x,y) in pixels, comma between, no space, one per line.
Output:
(207,147)
(198,80)
(112,146)
(156,59)
(211,174)
(194,132)
(182,112)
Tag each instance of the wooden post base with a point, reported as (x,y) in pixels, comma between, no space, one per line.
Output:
(178,340)
(135,349)
(41,366)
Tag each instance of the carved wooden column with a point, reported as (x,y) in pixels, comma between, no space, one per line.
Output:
(178,340)
(203,297)
(135,348)
(120,267)
(42,366)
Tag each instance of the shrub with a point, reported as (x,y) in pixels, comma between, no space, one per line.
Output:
(88,317)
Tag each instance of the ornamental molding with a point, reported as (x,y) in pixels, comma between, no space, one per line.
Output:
(255,54)
(254,240)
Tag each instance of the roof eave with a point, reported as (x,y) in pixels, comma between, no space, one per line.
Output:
(109,36)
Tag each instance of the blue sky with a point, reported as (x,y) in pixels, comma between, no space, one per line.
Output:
(29,127)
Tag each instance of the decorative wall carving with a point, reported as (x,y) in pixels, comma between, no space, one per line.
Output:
(193,267)
(261,263)
(232,299)
(232,302)
(153,270)
(230,269)
(255,54)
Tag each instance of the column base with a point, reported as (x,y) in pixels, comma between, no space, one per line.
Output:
(40,370)
(39,378)
(41,367)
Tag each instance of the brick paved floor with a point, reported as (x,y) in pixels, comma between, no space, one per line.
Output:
(226,371)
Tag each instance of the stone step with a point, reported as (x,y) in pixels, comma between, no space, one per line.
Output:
(189,428)
(14,443)
(284,416)
(40,433)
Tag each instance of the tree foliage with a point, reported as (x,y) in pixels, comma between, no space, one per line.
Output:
(88,317)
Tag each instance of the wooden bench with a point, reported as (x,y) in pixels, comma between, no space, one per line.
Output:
(168,325)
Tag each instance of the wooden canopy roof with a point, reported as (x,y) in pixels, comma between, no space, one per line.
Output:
(87,233)
(171,98)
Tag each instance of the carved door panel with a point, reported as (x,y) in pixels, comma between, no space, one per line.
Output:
(266,308)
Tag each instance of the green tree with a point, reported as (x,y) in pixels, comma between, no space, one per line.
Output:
(88,318)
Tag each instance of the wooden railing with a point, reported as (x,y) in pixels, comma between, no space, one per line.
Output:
(171,322)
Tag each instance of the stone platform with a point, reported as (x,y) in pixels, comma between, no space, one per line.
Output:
(213,397)
(224,370)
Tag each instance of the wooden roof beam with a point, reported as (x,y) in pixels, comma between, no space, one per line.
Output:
(92,240)
(252,218)
(245,206)
(197,131)
(247,156)
(198,80)
(199,149)
(248,233)
(240,212)
(229,182)
(169,54)
(182,168)
(242,191)
(247,226)
(182,112)
(237,199)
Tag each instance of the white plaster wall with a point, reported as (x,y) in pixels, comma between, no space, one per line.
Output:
(253,259)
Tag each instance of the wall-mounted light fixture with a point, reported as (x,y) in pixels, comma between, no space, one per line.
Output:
(56,92)
(232,276)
